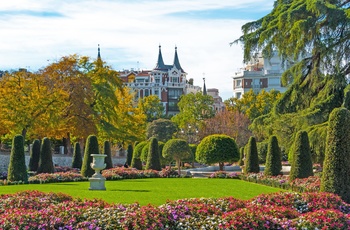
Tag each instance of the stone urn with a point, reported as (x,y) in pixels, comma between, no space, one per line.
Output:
(97,181)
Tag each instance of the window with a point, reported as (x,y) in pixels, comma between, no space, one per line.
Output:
(174,93)
(238,83)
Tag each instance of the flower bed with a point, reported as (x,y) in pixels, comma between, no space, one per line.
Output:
(289,210)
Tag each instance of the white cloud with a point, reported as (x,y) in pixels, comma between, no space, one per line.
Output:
(129,32)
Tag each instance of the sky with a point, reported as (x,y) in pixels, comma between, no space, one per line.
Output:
(35,33)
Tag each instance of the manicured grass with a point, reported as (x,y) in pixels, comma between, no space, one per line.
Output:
(152,191)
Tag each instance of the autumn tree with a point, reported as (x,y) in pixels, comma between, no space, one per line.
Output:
(152,107)
(232,123)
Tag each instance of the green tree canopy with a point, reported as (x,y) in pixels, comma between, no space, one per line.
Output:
(176,149)
(152,107)
(162,129)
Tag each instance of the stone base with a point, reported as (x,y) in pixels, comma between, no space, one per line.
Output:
(97,183)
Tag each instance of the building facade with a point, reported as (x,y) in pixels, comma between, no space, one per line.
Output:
(261,73)
(218,105)
(168,82)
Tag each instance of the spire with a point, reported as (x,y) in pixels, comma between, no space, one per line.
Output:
(160,62)
(204,87)
(98,53)
(176,61)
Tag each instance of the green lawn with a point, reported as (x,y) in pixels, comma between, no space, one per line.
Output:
(152,191)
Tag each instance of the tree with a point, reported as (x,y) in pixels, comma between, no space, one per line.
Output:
(241,156)
(251,163)
(162,129)
(217,149)
(229,122)
(144,152)
(17,170)
(273,165)
(45,162)
(336,168)
(312,37)
(136,156)
(34,156)
(153,160)
(107,151)
(77,159)
(176,149)
(152,107)
(301,166)
(129,154)
(91,147)
(194,109)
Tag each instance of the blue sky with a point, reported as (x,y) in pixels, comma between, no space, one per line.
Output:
(35,33)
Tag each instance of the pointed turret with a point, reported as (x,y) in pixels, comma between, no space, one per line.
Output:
(98,53)
(176,61)
(160,62)
(204,87)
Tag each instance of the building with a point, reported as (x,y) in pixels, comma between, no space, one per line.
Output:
(218,105)
(260,73)
(168,82)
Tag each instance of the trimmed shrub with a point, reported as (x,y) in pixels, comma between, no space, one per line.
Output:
(153,160)
(301,166)
(91,147)
(273,164)
(129,155)
(336,166)
(217,148)
(163,161)
(144,152)
(77,158)
(136,156)
(241,156)
(176,149)
(34,156)
(251,157)
(107,151)
(45,162)
(17,170)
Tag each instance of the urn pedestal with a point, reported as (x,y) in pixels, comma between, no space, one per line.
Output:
(97,181)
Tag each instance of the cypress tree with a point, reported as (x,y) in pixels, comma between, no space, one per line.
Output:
(273,165)
(129,155)
(77,158)
(34,156)
(108,158)
(136,156)
(17,170)
(153,159)
(252,159)
(336,166)
(301,166)
(91,147)
(45,162)
(241,156)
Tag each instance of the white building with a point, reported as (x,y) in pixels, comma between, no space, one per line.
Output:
(260,73)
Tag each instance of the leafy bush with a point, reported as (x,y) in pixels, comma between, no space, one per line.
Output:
(136,156)
(144,152)
(91,147)
(77,159)
(17,170)
(251,163)
(153,160)
(217,149)
(336,168)
(273,164)
(45,162)
(176,149)
(107,151)
(241,156)
(34,156)
(129,155)
(301,166)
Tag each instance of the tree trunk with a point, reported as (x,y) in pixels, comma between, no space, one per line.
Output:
(221,166)
(178,163)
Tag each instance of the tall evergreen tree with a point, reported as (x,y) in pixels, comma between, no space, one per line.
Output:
(77,158)
(153,159)
(17,170)
(301,166)
(241,156)
(34,156)
(46,162)
(336,167)
(251,159)
(107,151)
(91,147)
(136,156)
(273,165)
(129,155)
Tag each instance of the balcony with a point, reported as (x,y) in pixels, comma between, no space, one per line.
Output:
(246,73)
